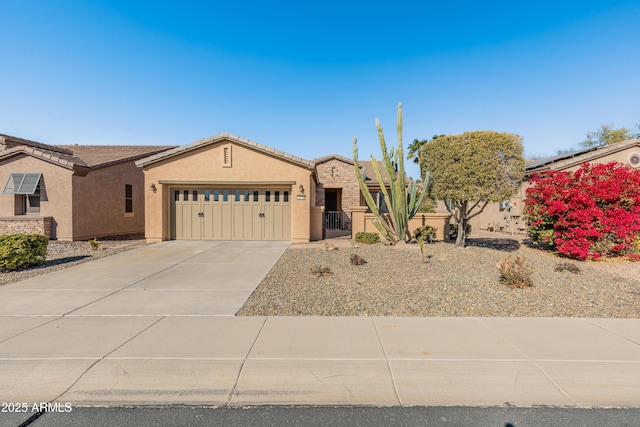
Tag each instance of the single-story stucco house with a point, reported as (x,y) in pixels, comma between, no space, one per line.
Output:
(507,216)
(230,188)
(71,192)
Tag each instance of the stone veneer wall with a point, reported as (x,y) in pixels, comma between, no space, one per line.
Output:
(338,174)
(26,225)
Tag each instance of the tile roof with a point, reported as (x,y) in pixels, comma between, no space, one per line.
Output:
(581,156)
(15,141)
(57,158)
(78,156)
(96,156)
(332,157)
(229,137)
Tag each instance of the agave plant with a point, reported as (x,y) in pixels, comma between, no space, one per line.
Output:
(404,201)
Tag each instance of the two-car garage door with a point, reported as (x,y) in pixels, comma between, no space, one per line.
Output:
(230,214)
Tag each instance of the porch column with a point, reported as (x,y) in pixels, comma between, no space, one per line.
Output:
(357,220)
(317,220)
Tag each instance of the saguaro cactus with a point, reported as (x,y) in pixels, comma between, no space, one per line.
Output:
(404,202)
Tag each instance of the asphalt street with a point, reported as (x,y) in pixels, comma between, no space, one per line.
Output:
(266,416)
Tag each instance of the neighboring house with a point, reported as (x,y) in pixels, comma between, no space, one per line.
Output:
(507,216)
(71,192)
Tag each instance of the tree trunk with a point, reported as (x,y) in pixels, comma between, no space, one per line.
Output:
(462,225)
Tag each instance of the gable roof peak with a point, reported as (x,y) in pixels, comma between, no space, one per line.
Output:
(228,137)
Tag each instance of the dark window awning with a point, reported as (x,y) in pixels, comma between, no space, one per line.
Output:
(22,183)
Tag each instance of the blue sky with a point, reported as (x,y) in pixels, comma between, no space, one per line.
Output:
(305,77)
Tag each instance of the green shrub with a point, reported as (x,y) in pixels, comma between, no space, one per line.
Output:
(22,250)
(515,272)
(95,245)
(363,237)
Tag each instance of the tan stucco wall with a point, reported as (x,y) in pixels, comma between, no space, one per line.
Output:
(56,198)
(363,222)
(205,165)
(99,202)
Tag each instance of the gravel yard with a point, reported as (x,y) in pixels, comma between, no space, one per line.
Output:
(453,282)
(62,254)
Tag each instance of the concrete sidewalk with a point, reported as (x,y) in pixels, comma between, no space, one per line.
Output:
(152,326)
(213,360)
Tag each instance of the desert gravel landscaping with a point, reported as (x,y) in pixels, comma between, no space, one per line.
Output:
(453,282)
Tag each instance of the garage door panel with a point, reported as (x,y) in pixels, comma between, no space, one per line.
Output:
(231,214)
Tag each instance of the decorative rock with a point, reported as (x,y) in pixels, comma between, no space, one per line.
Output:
(357,260)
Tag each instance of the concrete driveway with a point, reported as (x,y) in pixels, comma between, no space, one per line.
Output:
(165,279)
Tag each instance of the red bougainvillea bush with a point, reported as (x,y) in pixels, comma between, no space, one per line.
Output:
(587,214)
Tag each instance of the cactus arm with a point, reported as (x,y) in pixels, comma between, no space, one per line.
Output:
(360,177)
(386,231)
(383,189)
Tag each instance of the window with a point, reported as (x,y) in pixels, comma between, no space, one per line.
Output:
(31,202)
(22,183)
(286,196)
(128,198)
(26,187)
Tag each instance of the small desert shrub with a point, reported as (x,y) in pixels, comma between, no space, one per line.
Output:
(363,237)
(95,245)
(319,271)
(515,272)
(22,250)
(567,266)
(426,234)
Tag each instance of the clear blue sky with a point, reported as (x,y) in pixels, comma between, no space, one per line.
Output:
(305,77)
